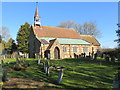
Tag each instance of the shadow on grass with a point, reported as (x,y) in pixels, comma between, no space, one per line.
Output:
(84,72)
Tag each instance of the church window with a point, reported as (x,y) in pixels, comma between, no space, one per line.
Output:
(74,49)
(64,49)
(85,49)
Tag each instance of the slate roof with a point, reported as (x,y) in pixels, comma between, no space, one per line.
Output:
(91,39)
(68,41)
(56,32)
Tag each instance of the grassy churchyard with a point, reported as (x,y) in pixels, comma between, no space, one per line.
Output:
(78,73)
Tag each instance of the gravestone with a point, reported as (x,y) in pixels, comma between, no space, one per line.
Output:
(116,81)
(112,59)
(46,66)
(84,55)
(1,74)
(107,58)
(49,56)
(101,55)
(48,71)
(92,55)
(8,62)
(89,55)
(38,60)
(60,75)
(79,56)
(4,77)
(104,55)
(95,56)
(2,62)
(74,55)
(118,57)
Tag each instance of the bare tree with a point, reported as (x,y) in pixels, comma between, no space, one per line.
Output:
(67,24)
(5,33)
(88,28)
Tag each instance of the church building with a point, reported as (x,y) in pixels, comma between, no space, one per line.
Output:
(58,43)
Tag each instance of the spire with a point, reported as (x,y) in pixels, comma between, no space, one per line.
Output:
(37,16)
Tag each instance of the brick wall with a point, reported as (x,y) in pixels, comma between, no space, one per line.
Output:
(69,50)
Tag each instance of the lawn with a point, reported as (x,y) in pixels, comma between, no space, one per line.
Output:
(78,73)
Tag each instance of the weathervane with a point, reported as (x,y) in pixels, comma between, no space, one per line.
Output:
(36,3)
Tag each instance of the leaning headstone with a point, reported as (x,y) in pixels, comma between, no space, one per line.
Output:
(79,56)
(104,55)
(118,57)
(2,62)
(112,59)
(8,62)
(48,71)
(1,74)
(49,56)
(4,77)
(92,55)
(107,58)
(89,54)
(74,55)
(38,60)
(101,55)
(60,76)
(46,66)
(95,56)
(116,81)
(84,55)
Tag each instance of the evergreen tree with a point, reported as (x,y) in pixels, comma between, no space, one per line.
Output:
(3,44)
(9,46)
(0,38)
(22,37)
(118,34)
(0,45)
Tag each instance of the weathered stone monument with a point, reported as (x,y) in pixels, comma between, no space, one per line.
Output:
(84,55)
(92,55)
(118,57)
(1,74)
(112,59)
(4,77)
(60,75)
(2,62)
(116,81)
(95,56)
(107,58)
(38,60)
(46,67)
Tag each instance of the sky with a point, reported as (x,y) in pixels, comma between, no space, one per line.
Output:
(105,14)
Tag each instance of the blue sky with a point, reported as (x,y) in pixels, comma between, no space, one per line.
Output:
(105,14)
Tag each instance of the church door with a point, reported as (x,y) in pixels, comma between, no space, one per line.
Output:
(56,53)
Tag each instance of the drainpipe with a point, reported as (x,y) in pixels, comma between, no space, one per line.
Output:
(70,51)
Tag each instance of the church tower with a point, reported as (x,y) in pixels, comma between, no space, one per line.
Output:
(37,16)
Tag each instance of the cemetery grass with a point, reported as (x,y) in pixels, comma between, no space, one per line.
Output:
(78,73)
